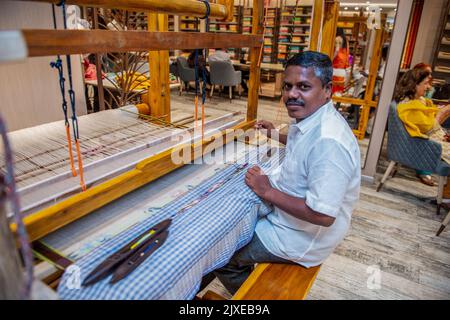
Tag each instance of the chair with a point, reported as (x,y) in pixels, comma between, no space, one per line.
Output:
(173,69)
(222,73)
(185,73)
(415,153)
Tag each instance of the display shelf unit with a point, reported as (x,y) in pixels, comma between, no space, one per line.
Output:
(270,35)
(246,29)
(190,24)
(293,31)
(171,22)
(441,61)
(234,26)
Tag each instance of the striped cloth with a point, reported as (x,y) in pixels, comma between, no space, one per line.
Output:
(201,239)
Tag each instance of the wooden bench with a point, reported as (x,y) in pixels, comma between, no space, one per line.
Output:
(274,281)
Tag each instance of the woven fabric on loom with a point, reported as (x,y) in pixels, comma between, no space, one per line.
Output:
(201,239)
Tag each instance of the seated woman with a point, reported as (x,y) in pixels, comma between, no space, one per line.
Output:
(419,113)
(425,176)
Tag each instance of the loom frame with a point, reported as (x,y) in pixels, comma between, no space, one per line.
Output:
(44,42)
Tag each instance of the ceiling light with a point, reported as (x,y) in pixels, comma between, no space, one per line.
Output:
(356,8)
(346,8)
(367,2)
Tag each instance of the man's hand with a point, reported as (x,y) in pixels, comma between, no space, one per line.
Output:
(264,124)
(258,181)
(267,125)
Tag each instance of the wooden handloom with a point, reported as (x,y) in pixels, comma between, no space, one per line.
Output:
(52,42)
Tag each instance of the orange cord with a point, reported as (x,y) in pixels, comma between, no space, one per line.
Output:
(196,111)
(69,144)
(80,166)
(203,122)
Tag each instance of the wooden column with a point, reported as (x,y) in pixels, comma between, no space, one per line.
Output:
(316,25)
(331,14)
(159,91)
(98,66)
(387,89)
(373,72)
(255,71)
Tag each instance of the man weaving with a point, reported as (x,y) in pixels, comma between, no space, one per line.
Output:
(315,188)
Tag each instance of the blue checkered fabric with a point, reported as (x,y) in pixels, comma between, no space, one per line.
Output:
(201,239)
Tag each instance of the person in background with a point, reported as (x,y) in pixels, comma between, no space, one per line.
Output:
(90,73)
(201,62)
(427,67)
(340,62)
(220,54)
(425,176)
(419,114)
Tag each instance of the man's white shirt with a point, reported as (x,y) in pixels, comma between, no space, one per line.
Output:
(322,166)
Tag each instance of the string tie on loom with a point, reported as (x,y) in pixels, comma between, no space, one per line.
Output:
(59,67)
(197,80)
(71,92)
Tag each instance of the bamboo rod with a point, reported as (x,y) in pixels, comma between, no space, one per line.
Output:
(177,7)
(51,42)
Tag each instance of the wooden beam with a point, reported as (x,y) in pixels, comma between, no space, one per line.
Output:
(255,70)
(331,15)
(52,42)
(316,25)
(356,101)
(177,7)
(159,91)
(45,221)
(354,19)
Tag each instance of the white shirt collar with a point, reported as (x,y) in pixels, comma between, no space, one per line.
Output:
(313,119)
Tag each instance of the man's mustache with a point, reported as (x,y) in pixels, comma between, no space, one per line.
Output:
(294,102)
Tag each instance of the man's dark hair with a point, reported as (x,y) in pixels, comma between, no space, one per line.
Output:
(321,64)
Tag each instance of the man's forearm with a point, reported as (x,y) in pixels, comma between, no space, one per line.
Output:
(297,208)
